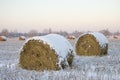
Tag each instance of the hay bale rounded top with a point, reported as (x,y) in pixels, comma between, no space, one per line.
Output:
(92,44)
(50,52)
(22,37)
(3,38)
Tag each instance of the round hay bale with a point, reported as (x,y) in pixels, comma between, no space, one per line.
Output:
(50,52)
(71,37)
(3,38)
(92,44)
(22,37)
(115,37)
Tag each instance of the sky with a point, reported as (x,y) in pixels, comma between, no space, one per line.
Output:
(67,15)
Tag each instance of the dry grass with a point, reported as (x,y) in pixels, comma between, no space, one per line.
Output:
(38,56)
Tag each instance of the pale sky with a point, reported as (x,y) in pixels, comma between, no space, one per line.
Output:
(68,15)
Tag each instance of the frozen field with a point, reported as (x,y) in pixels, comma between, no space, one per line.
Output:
(84,68)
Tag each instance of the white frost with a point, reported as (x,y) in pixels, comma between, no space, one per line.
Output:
(83,68)
(100,38)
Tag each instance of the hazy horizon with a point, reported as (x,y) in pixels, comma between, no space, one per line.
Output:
(66,15)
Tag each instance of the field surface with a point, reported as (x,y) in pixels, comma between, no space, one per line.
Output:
(84,68)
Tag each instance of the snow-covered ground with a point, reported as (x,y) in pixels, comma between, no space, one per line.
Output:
(84,68)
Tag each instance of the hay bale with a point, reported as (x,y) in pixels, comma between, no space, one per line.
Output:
(92,44)
(71,37)
(50,52)
(3,38)
(22,37)
(115,37)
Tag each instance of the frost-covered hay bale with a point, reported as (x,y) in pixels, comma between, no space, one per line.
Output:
(71,37)
(50,52)
(3,38)
(22,37)
(92,44)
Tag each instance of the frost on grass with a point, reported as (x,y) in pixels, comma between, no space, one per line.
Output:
(92,43)
(83,67)
(50,52)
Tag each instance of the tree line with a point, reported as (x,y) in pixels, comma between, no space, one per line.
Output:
(31,33)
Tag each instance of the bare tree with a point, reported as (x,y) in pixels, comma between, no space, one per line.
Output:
(64,33)
(106,32)
(5,32)
(32,33)
(117,33)
(50,30)
(77,33)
